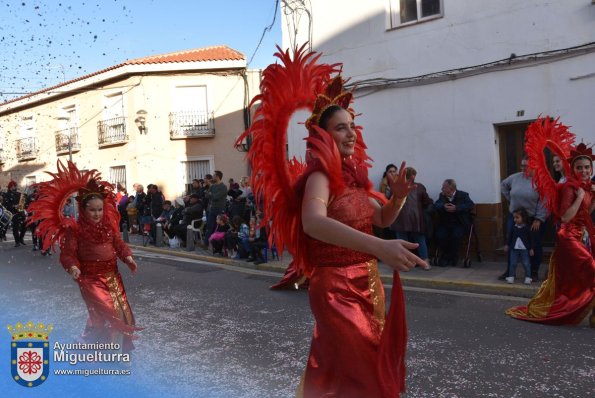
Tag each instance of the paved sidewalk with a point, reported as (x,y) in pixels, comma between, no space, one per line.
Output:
(481,277)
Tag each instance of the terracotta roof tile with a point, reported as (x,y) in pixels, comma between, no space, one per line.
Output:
(216,53)
(206,54)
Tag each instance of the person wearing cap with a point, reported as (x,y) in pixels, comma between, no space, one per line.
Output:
(176,216)
(192,212)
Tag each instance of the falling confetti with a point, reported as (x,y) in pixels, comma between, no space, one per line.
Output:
(43,43)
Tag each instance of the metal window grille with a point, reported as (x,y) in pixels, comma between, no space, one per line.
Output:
(184,124)
(194,169)
(117,174)
(112,131)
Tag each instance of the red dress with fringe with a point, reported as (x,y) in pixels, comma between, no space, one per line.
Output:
(568,295)
(94,249)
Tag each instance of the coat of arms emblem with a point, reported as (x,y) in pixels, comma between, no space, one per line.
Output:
(29,353)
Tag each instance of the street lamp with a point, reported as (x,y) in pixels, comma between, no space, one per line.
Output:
(141,121)
(244,145)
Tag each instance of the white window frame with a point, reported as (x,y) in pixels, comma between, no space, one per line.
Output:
(68,116)
(27,127)
(181,171)
(109,174)
(107,105)
(29,181)
(393,14)
(175,105)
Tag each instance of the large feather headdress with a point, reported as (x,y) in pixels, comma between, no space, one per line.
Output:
(52,196)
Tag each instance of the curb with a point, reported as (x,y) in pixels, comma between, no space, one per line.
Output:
(498,289)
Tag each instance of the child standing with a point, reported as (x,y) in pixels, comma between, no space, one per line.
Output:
(520,243)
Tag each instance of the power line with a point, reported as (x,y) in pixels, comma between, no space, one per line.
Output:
(264,32)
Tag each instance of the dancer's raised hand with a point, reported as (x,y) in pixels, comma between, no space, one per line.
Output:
(399,184)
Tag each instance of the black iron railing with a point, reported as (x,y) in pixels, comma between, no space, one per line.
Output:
(112,131)
(189,124)
(67,139)
(27,148)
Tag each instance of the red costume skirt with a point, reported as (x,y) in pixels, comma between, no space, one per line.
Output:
(355,352)
(110,316)
(568,295)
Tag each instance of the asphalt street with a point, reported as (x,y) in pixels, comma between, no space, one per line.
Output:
(215,330)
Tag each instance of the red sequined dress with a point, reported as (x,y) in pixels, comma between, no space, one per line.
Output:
(356,350)
(568,295)
(94,249)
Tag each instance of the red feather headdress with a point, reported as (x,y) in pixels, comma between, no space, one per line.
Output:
(298,82)
(52,197)
(547,133)
(581,151)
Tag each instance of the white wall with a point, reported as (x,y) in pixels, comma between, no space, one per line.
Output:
(447,129)
(471,32)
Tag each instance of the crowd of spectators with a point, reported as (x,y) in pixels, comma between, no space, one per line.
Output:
(225,213)
(229,221)
(446,220)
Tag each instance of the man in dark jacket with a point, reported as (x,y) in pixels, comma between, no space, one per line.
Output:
(155,201)
(217,196)
(194,211)
(139,203)
(454,219)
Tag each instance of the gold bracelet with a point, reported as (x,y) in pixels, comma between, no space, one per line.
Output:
(398,202)
(320,199)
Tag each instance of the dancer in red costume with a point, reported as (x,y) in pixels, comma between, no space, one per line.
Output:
(568,295)
(324,214)
(89,249)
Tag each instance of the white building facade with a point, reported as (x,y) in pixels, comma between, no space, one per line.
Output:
(450,86)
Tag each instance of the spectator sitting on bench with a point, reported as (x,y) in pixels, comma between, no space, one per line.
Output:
(217,238)
(176,217)
(192,212)
(258,240)
(163,218)
(454,219)
(236,239)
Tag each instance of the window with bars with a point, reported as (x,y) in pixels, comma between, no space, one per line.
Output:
(406,12)
(194,169)
(117,174)
(30,180)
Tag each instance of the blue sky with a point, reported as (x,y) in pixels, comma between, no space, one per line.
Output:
(44,42)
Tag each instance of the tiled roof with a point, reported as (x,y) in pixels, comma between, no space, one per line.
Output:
(216,53)
(206,54)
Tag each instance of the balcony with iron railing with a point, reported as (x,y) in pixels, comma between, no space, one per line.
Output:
(67,140)
(112,131)
(2,156)
(27,148)
(191,124)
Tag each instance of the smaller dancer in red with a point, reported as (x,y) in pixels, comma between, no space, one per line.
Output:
(89,250)
(567,296)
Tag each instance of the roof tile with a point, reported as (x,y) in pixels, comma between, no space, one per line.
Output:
(206,54)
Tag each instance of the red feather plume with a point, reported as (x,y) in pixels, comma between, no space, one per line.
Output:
(553,135)
(52,195)
(298,82)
